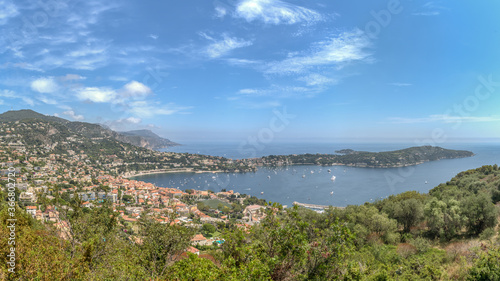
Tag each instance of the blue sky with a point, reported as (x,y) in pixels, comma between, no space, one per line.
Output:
(212,70)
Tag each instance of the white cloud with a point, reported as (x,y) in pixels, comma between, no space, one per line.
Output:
(7,10)
(221,47)
(153,36)
(336,51)
(123,124)
(444,118)
(72,115)
(275,12)
(44,85)
(95,94)
(133,120)
(135,89)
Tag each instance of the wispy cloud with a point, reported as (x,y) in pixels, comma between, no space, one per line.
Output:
(223,46)
(430,9)
(275,12)
(277,92)
(13,95)
(444,118)
(335,51)
(242,62)
(315,79)
(399,84)
(220,12)
(145,109)
(7,10)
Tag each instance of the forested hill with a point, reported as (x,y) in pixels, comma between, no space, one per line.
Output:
(387,159)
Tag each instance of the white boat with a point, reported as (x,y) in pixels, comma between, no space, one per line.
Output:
(331,193)
(426,182)
(303,176)
(262,192)
(312,172)
(333,178)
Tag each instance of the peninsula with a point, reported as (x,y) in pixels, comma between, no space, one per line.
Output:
(387,159)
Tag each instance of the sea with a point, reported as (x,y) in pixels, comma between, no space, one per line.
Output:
(314,184)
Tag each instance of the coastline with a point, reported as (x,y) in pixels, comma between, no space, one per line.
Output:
(153,172)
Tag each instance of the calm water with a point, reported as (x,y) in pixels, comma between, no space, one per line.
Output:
(313,184)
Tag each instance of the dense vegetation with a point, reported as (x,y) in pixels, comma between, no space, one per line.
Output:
(447,234)
(397,158)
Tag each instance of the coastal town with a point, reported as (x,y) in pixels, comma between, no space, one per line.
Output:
(48,184)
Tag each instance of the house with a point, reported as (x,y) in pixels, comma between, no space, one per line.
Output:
(199,239)
(193,250)
(27,197)
(31,210)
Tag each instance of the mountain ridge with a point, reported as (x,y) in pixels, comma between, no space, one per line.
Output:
(147,139)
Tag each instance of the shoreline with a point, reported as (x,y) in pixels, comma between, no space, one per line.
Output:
(191,170)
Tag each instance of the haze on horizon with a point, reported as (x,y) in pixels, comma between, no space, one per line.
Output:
(218,70)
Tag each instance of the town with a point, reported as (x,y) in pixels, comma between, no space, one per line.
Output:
(52,177)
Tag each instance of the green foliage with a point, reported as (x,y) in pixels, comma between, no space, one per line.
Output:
(487,267)
(194,268)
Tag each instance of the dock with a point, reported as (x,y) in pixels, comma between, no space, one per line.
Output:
(315,206)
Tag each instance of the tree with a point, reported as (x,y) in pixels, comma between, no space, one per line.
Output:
(479,213)
(207,229)
(162,244)
(443,219)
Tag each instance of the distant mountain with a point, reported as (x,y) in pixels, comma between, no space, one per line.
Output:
(142,137)
(139,138)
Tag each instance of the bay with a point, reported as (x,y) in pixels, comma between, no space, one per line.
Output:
(314,185)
